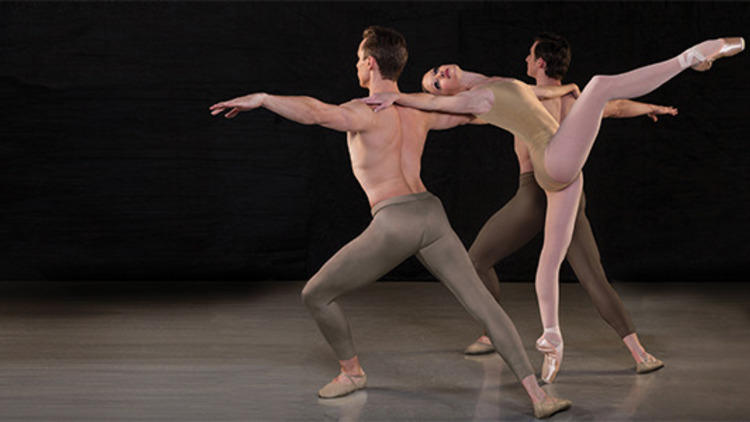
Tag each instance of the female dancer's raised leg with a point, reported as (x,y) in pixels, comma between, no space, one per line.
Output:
(569,148)
(565,156)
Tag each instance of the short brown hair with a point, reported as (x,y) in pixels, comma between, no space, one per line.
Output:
(555,51)
(388,47)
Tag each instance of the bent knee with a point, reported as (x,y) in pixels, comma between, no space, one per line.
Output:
(479,260)
(309,295)
(598,83)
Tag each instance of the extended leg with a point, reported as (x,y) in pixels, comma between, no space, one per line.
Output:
(362,261)
(514,225)
(517,222)
(447,259)
(569,148)
(583,256)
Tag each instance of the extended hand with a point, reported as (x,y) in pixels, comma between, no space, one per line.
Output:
(246,103)
(381,100)
(656,110)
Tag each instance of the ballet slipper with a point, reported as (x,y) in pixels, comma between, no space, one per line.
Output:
(651,364)
(731,47)
(550,406)
(482,346)
(553,355)
(342,385)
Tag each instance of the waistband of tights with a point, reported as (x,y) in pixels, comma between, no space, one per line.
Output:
(400,200)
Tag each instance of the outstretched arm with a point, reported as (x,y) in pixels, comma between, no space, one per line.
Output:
(440,121)
(476,101)
(305,110)
(627,108)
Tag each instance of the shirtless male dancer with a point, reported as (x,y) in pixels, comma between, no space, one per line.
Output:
(385,150)
(522,218)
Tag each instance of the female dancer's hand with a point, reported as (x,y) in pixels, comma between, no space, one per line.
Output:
(245,103)
(574,90)
(657,109)
(381,100)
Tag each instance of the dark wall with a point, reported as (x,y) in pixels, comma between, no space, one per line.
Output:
(112,167)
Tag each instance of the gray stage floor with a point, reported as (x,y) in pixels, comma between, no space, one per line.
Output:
(249,352)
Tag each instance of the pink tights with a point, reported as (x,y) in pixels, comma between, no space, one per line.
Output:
(567,152)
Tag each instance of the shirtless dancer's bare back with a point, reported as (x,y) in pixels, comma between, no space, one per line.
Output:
(385,150)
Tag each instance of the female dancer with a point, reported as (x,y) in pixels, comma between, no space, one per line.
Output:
(558,152)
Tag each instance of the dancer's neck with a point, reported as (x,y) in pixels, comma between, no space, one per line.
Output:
(544,80)
(471,79)
(377,85)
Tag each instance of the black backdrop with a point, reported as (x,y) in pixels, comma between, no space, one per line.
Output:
(113,169)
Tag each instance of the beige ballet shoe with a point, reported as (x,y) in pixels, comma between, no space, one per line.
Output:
(651,364)
(731,47)
(550,406)
(480,347)
(342,385)
(552,358)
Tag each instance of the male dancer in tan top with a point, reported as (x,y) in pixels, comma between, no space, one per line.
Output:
(522,217)
(385,150)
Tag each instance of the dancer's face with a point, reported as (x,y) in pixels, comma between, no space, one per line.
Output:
(533,63)
(443,80)
(363,67)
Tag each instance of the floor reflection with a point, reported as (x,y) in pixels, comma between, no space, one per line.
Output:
(345,409)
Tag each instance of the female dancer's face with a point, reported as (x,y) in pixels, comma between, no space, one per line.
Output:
(443,80)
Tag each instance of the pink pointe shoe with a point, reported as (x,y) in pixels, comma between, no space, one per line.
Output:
(553,354)
(732,46)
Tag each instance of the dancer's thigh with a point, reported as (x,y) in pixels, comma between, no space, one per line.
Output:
(366,258)
(514,225)
(562,208)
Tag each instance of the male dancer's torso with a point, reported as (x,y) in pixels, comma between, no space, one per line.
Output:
(386,159)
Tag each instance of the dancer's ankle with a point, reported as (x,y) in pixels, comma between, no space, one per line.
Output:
(636,349)
(351,366)
(535,392)
(553,335)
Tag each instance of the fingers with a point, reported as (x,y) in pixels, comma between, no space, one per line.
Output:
(217,111)
(232,113)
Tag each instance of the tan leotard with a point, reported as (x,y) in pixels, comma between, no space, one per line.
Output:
(517,110)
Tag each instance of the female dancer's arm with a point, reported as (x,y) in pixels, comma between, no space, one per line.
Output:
(553,91)
(475,101)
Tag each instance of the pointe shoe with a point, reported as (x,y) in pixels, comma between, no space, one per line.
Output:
(342,385)
(731,47)
(651,364)
(480,347)
(552,358)
(550,406)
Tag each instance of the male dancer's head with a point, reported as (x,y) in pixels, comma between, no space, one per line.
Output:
(382,55)
(549,56)
(382,50)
